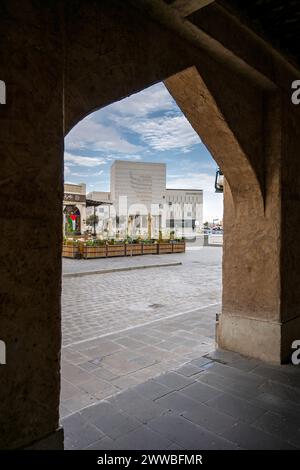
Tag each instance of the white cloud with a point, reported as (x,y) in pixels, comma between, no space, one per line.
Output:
(153,99)
(83,161)
(81,175)
(164,133)
(193,181)
(95,136)
(122,157)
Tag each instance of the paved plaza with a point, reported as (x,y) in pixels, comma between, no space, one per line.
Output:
(222,401)
(100,304)
(121,328)
(140,370)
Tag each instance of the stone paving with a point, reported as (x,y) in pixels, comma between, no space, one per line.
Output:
(139,370)
(221,401)
(96,369)
(122,328)
(100,304)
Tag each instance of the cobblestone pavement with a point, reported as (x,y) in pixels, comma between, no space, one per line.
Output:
(123,328)
(101,304)
(96,369)
(221,401)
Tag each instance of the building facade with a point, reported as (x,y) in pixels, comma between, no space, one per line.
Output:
(184,209)
(140,205)
(104,212)
(74,209)
(137,192)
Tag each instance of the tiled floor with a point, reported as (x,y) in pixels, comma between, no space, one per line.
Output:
(221,401)
(123,328)
(100,304)
(133,371)
(96,369)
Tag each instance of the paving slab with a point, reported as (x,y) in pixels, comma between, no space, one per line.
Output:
(153,415)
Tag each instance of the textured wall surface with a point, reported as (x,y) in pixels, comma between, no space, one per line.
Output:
(62,60)
(31,149)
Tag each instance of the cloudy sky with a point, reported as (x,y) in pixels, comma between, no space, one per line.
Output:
(147,126)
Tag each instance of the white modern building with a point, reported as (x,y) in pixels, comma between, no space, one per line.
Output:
(137,192)
(142,184)
(185,209)
(140,204)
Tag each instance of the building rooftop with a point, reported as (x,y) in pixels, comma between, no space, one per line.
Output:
(187,189)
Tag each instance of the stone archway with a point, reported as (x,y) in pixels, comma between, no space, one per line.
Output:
(83,56)
(246,259)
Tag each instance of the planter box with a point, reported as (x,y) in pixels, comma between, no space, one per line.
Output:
(150,249)
(178,247)
(115,250)
(70,251)
(89,252)
(165,248)
(133,249)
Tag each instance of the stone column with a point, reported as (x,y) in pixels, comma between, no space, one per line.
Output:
(261,269)
(31,188)
(290,246)
(252,320)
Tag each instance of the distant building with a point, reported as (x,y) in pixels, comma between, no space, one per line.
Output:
(185,208)
(137,190)
(142,183)
(74,209)
(104,211)
(140,204)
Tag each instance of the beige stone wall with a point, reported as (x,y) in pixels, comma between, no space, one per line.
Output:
(63,60)
(31,192)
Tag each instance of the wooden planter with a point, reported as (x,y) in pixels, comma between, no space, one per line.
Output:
(133,249)
(70,251)
(150,249)
(89,252)
(164,248)
(178,247)
(115,250)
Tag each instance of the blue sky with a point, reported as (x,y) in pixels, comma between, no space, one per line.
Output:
(147,126)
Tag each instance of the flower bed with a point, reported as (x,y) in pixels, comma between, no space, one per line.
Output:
(165,247)
(115,249)
(133,249)
(89,249)
(89,252)
(70,250)
(178,246)
(150,248)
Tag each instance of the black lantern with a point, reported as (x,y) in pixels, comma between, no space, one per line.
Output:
(219,182)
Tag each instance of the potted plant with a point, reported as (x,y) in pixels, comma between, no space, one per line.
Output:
(70,248)
(150,247)
(165,246)
(94,249)
(179,245)
(115,248)
(134,247)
